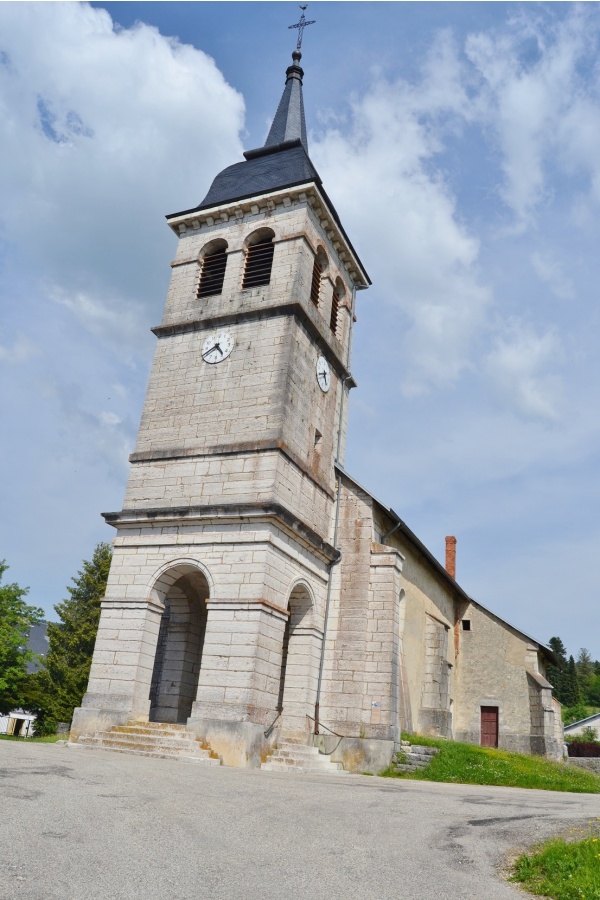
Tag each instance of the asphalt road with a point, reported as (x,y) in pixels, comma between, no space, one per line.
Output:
(94,825)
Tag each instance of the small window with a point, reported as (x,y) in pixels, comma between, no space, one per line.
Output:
(213,272)
(466,624)
(315,285)
(338,293)
(335,305)
(259,260)
(320,266)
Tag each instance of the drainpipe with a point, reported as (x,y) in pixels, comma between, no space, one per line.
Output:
(394,528)
(335,561)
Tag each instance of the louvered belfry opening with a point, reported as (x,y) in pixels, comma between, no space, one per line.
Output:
(335,305)
(315,284)
(213,273)
(259,260)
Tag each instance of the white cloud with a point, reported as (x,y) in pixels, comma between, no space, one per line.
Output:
(538,99)
(518,367)
(399,208)
(102,131)
(21,351)
(550,271)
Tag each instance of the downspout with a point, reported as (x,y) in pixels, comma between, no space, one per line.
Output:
(335,561)
(394,528)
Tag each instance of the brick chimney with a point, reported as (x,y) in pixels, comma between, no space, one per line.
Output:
(451,555)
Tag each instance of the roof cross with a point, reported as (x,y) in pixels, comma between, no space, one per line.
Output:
(301,25)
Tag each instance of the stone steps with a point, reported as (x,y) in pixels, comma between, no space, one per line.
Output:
(154,739)
(413,757)
(301,759)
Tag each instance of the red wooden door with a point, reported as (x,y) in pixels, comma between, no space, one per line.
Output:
(489,726)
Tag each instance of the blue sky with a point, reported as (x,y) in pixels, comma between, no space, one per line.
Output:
(459,143)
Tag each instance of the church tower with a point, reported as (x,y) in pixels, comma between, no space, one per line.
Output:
(215,606)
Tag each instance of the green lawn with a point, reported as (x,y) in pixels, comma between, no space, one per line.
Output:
(562,870)
(469,764)
(48,739)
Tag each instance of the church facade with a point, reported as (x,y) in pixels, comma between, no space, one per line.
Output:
(257,591)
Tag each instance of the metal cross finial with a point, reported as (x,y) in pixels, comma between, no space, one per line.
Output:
(301,25)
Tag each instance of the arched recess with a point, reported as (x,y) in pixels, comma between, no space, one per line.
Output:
(299,661)
(213,261)
(259,249)
(338,295)
(183,589)
(320,266)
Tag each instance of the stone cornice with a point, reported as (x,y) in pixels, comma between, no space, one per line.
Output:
(197,220)
(248,604)
(227,511)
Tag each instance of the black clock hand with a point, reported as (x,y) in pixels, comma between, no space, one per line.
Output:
(215,346)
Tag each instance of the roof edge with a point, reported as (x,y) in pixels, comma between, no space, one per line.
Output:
(441,571)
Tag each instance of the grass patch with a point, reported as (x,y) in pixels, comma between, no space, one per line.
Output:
(561,870)
(470,764)
(47,739)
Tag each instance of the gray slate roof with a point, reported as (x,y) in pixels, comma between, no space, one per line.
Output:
(268,169)
(283,161)
(289,123)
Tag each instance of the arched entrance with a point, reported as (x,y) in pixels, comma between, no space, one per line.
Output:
(299,663)
(184,591)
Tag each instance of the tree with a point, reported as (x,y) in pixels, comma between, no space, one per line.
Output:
(16,618)
(585,666)
(559,650)
(571,689)
(556,674)
(60,685)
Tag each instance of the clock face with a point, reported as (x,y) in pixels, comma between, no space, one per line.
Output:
(323,374)
(217,347)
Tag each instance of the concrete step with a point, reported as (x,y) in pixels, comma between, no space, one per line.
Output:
(189,749)
(415,757)
(178,743)
(154,739)
(153,726)
(151,732)
(155,754)
(145,747)
(289,761)
(296,750)
(292,756)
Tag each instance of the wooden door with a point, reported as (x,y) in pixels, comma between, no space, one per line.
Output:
(489,726)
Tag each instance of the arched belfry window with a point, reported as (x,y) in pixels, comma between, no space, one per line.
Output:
(338,293)
(259,259)
(212,273)
(319,267)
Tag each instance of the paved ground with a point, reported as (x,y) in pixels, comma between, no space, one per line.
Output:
(93,825)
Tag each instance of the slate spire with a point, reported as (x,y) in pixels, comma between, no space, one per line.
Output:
(289,123)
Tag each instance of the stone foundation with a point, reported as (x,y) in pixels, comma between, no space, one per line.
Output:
(241,744)
(358,755)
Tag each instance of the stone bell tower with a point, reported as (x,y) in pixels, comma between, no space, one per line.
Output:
(214,610)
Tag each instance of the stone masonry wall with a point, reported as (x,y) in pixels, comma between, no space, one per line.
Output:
(492,670)
(427,650)
(434,714)
(250,569)
(360,682)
